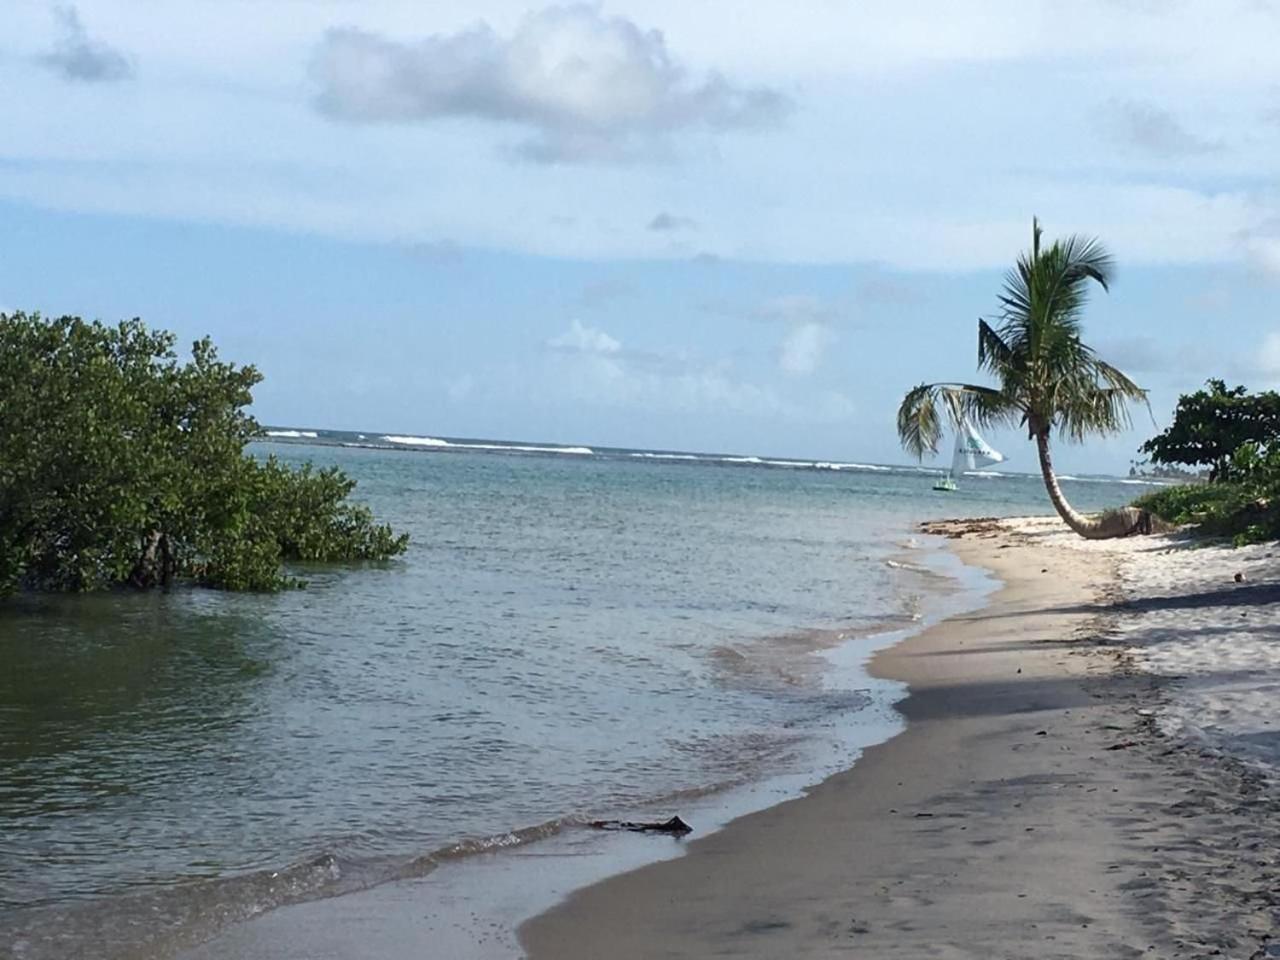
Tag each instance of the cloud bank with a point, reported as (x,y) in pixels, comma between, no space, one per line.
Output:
(76,56)
(590,87)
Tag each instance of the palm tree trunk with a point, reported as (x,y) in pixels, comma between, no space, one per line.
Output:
(1117,523)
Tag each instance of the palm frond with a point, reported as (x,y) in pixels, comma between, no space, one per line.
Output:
(922,412)
(1118,380)
(1046,291)
(920,421)
(1100,410)
(994,355)
(1096,400)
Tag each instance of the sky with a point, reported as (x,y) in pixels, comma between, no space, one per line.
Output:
(688,225)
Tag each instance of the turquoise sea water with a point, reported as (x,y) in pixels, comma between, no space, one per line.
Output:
(571,635)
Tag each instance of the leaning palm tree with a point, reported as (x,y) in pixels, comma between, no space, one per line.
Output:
(1048,380)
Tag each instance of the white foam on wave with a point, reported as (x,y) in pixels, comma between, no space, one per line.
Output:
(576,451)
(436,443)
(1131,481)
(418,441)
(293,434)
(806,464)
(871,467)
(763,461)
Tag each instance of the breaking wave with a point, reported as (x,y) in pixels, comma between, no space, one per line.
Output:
(437,443)
(1131,481)
(759,461)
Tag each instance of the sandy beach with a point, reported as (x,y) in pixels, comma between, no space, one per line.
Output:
(1059,790)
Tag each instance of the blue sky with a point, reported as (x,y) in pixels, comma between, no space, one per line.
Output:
(703,226)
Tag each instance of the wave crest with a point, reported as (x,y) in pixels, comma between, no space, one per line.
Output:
(437,444)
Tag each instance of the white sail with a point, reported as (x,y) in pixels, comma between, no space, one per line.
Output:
(972,451)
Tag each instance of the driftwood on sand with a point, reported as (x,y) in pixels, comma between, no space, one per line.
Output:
(674,826)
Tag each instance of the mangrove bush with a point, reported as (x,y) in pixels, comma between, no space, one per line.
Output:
(122,464)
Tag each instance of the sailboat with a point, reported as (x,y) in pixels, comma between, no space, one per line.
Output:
(971,453)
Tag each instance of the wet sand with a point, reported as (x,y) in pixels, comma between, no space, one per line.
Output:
(1032,808)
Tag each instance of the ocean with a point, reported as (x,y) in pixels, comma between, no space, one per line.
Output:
(575,633)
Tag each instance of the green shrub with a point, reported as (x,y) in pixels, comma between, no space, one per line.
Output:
(1192,502)
(1209,426)
(1245,508)
(120,464)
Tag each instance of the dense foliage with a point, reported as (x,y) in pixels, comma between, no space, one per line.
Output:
(1235,432)
(1245,507)
(1209,426)
(121,464)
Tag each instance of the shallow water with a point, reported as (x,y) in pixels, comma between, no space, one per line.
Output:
(569,636)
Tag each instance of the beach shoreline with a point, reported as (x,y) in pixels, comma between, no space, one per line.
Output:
(1031,807)
(1032,797)
(469,907)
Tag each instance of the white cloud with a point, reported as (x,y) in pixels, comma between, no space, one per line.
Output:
(803,347)
(583,339)
(215,130)
(591,87)
(809,319)
(76,56)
